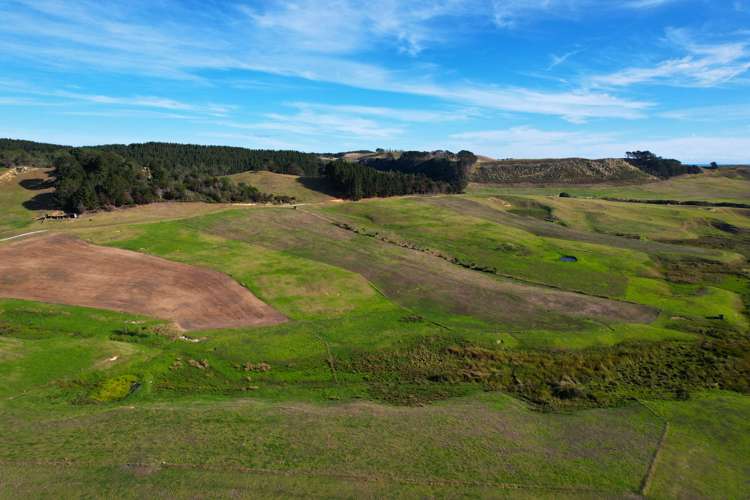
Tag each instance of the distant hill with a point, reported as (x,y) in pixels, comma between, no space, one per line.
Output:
(556,171)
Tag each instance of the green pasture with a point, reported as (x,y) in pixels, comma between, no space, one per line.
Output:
(406,369)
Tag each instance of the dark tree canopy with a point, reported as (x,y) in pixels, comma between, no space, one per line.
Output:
(440,166)
(211,160)
(15,152)
(218,160)
(356,181)
(658,166)
(90,179)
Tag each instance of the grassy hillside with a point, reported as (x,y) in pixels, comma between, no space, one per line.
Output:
(721,185)
(443,338)
(23,197)
(304,190)
(556,171)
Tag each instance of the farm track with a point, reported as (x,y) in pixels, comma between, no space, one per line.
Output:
(23,235)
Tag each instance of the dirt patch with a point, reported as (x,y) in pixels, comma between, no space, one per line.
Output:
(61,269)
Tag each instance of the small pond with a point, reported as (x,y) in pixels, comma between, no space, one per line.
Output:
(568,258)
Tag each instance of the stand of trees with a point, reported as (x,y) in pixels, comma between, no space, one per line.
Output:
(89,179)
(217,160)
(356,181)
(440,166)
(210,160)
(15,153)
(659,167)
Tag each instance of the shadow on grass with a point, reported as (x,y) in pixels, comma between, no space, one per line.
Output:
(42,201)
(319,184)
(37,184)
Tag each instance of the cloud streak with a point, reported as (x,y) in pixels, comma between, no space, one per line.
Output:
(531,142)
(282,39)
(704,65)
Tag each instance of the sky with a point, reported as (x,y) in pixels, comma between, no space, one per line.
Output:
(502,78)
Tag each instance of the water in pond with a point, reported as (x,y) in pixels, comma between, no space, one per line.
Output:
(568,258)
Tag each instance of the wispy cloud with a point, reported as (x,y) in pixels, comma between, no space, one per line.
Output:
(64,96)
(281,39)
(531,142)
(346,26)
(394,114)
(705,65)
(558,60)
(509,13)
(719,113)
(306,122)
(647,4)
(23,101)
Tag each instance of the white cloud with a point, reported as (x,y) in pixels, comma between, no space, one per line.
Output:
(719,113)
(22,101)
(307,122)
(647,4)
(530,142)
(575,106)
(705,65)
(558,60)
(347,26)
(132,101)
(395,114)
(508,13)
(283,40)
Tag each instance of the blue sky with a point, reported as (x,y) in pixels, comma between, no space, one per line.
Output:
(505,78)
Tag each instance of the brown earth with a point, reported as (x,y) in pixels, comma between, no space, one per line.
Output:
(61,269)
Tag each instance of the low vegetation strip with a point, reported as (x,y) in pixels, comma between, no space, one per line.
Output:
(690,203)
(61,269)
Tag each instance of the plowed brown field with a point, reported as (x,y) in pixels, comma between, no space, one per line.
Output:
(61,269)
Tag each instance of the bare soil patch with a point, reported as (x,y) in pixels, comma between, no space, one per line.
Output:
(61,269)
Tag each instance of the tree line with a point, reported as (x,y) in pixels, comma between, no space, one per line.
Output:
(15,152)
(356,181)
(89,179)
(657,166)
(217,160)
(211,160)
(442,167)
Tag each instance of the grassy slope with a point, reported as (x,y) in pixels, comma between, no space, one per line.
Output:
(602,270)
(291,437)
(281,184)
(706,449)
(479,443)
(14,216)
(720,185)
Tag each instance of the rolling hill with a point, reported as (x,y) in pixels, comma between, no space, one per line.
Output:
(556,171)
